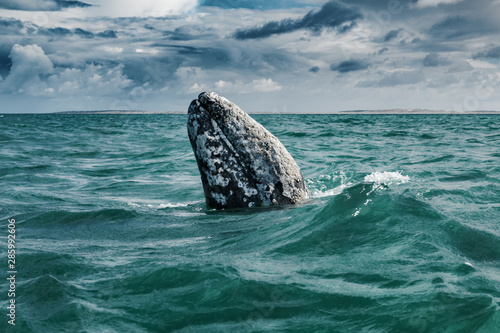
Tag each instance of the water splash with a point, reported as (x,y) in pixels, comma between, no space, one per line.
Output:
(386,178)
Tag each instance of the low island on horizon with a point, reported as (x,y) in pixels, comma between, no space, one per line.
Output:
(373,112)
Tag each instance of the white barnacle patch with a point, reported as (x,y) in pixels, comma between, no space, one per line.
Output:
(207,148)
(219,198)
(218,180)
(247,190)
(193,129)
(287,190)
(202,149)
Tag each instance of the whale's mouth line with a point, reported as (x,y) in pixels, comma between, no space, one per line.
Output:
(220,129)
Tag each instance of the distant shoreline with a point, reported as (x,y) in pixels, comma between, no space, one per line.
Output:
(373,112)
(119,112)
(348,112)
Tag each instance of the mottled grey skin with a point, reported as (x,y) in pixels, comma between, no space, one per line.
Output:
(241,163)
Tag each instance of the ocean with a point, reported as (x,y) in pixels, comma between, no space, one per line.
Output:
(112,234)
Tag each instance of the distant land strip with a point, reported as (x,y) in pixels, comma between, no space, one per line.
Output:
(119,112)
(375,112)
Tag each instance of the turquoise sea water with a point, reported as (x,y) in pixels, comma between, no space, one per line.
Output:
(402,233)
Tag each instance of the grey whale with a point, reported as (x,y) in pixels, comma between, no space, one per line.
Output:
(240,162)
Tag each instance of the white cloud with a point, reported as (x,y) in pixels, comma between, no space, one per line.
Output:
(480,64)
(196,88)
(259,85)
(224,86)
(28,62)
(265,85)
(93,80)
(143,8)
(435,3)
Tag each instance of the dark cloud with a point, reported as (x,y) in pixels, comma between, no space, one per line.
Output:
(31,29)
(434,60)
(391,35)
(58,31)
(203,57)
(41,5)
(183,49)
(186,33)
(331,16)
(382,50)
(5,61)
(252,4)
(10,23)
(451,27)
(72,4)
(493,53)
(153,70)
(349,66)
(107,34)
(83,33)
(394,6)
(461,27)
(314,69)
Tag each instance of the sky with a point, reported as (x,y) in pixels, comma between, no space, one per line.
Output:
(264,55)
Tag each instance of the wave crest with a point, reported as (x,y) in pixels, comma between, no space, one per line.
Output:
(386,178)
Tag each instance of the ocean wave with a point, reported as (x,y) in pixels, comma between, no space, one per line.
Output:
(469,175)
(328,193)
(71,218)
(162,207)
(359,216)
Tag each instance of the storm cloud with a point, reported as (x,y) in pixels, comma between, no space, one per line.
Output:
(28,62)
(391,35)
(331,16)
(434,60)
(157,55)
(30,29)
(349,66)
(461,27)
(250,4)
(493,53)
(41,5)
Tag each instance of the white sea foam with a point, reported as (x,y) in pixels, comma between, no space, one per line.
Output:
(328,193)
(319,186)
(173,205)
(160,204)
(386,178)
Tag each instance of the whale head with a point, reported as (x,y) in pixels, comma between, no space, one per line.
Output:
(240,162)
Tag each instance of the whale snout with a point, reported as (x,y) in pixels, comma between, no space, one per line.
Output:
(203,97)
(218,107)
(206,100)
